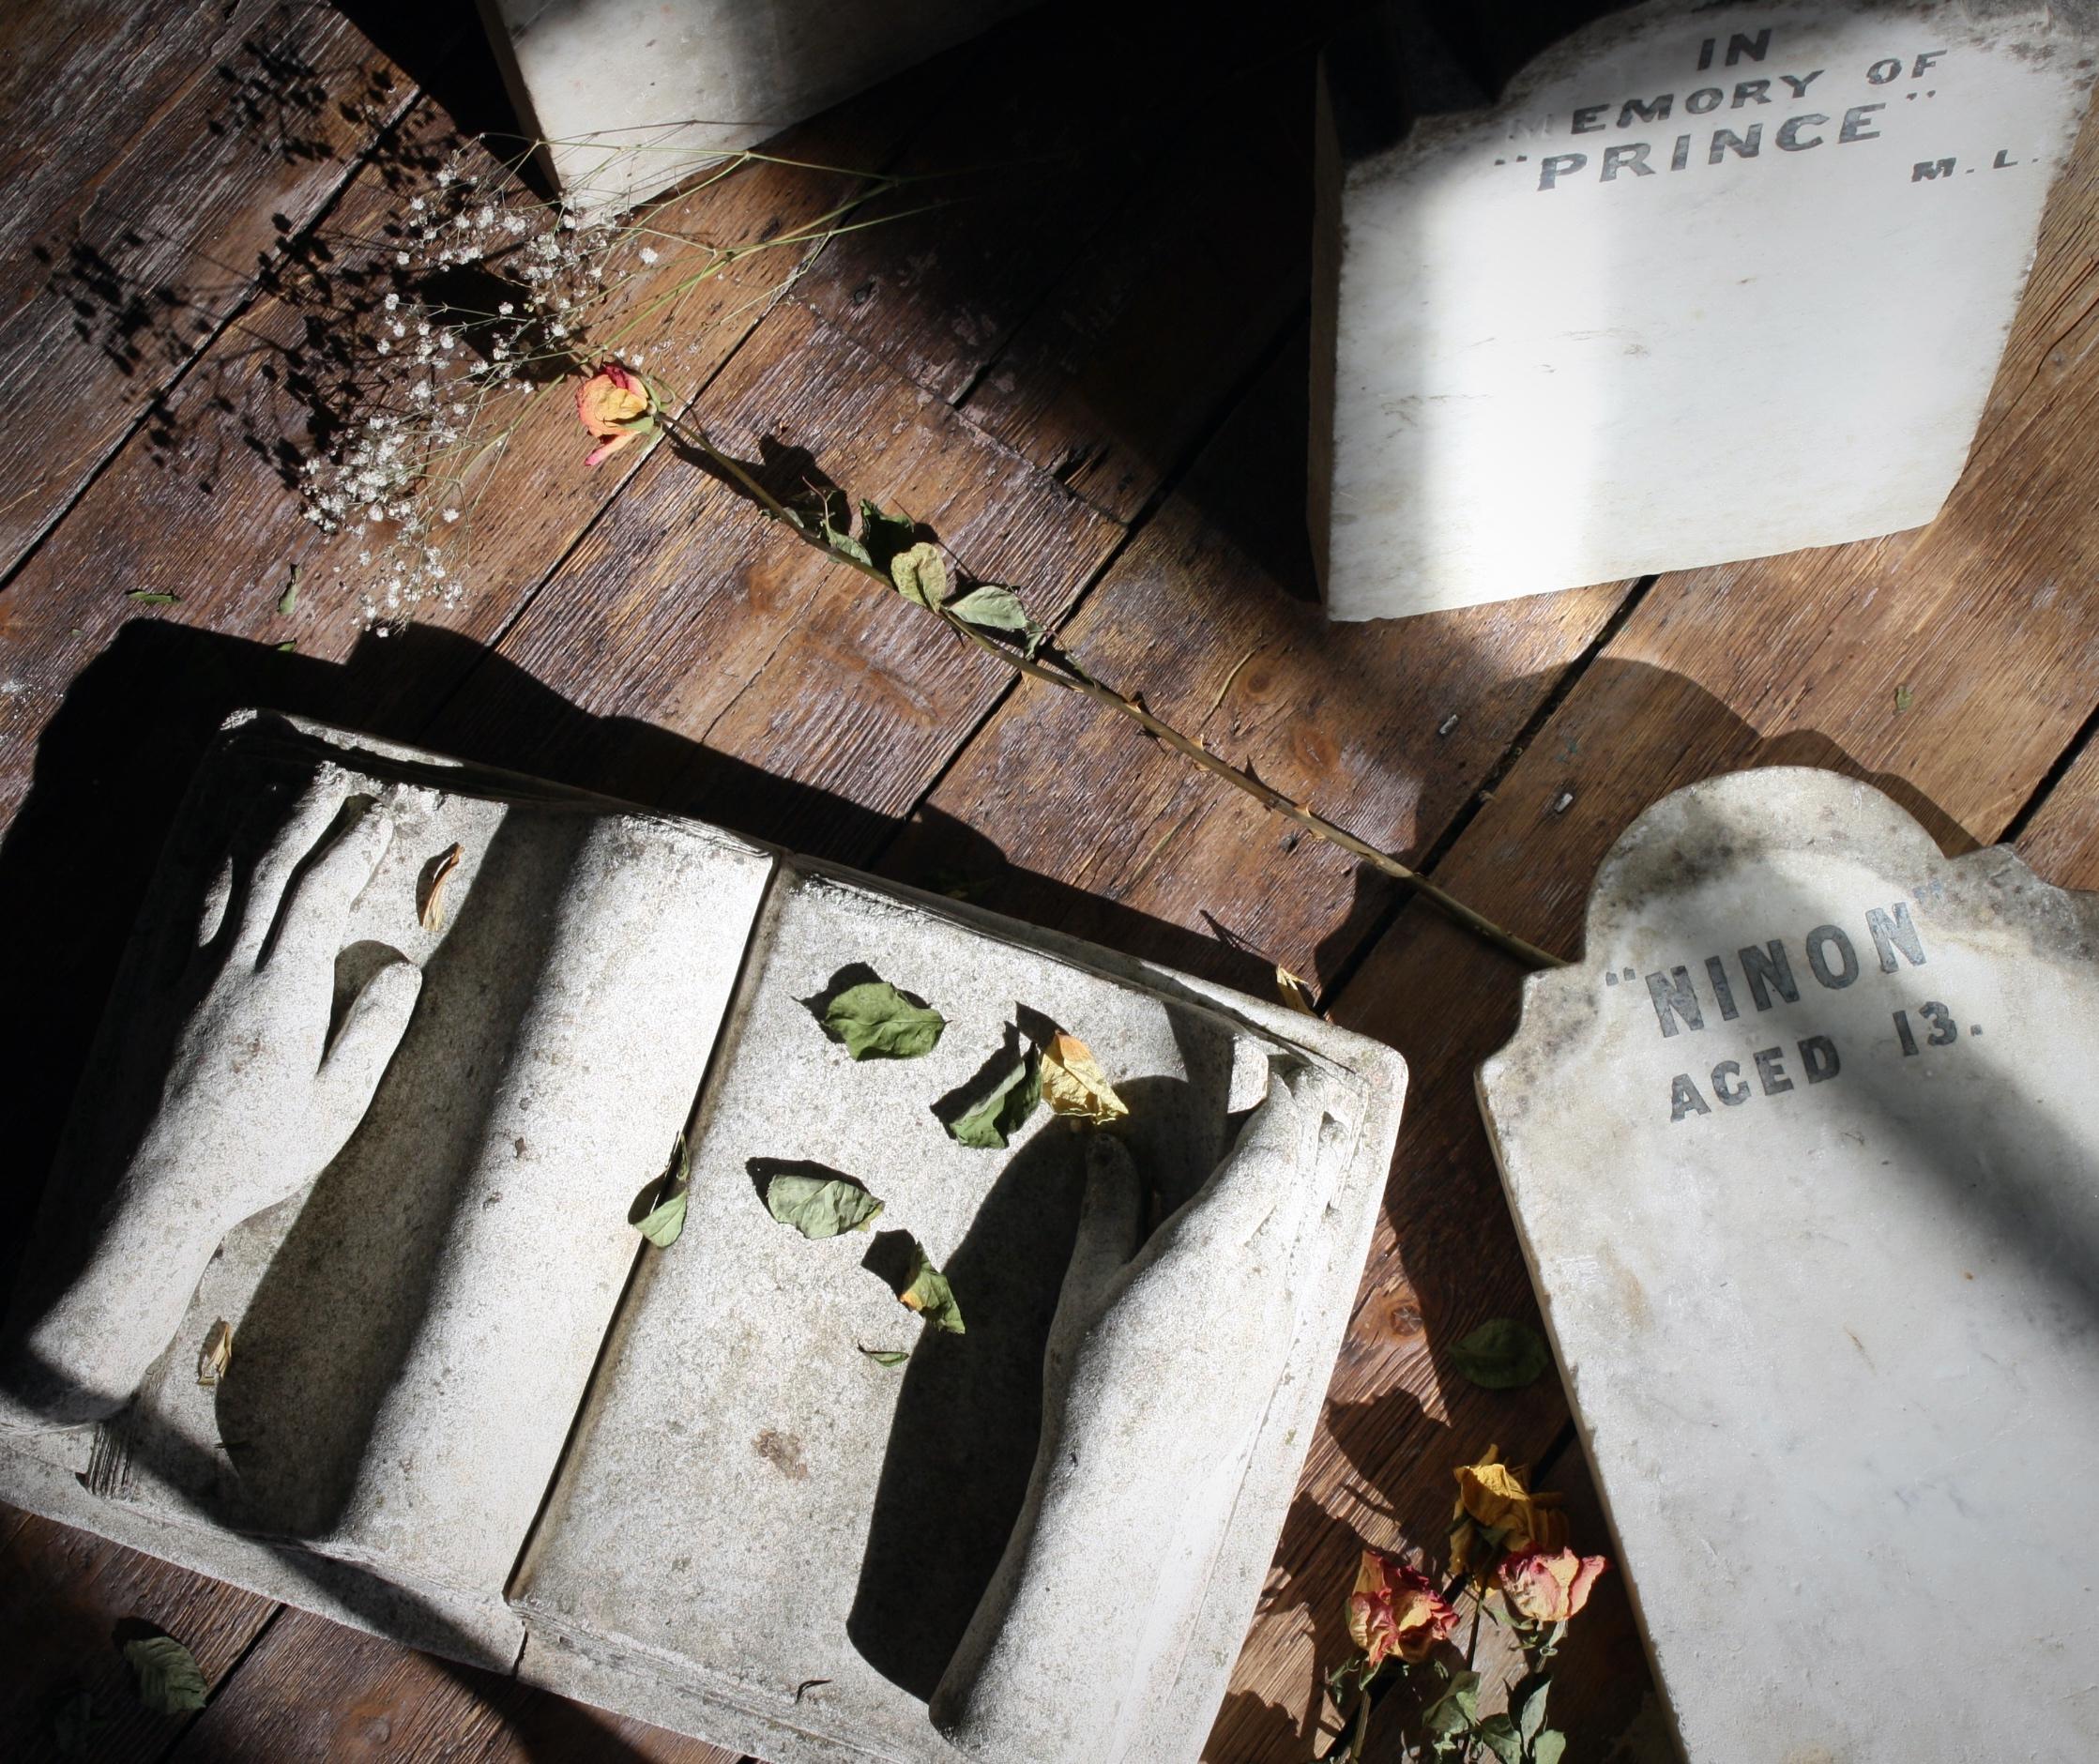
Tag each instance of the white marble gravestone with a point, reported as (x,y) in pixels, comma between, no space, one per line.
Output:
(1709,282)
(633,97)
(468,1408)
(1804,1154)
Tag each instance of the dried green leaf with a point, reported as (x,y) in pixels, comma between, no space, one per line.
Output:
(1499,1735)
(885,1356)
(994,608)
(883,536)
(149,597)
(289,599)
(169,1682)
(874,1021)
(820,1207)
(839,537)
(663,1223)
(1502,1355)
(1548,1747)
(1529,1706)
(1903,699)
(997,1111)
(288,647)
(919,575)
(1457,1708)
(930,1295)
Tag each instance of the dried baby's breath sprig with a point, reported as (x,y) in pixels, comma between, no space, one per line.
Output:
(471,300)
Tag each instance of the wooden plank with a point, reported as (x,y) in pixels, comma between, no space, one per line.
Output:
(1794,660)
(1082,824)
(67,1603)
(1138,350)
(800,678)
(192,153)
(1072,111)
(312,1689)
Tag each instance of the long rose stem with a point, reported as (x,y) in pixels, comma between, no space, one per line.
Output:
(1062,671)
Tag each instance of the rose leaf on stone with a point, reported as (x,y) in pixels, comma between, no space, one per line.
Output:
(991,1116)
(820,1207)
(929,1294)
(874,1021)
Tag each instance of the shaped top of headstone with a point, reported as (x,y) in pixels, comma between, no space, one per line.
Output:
(1802,1154)
(1636,315)
(630,99)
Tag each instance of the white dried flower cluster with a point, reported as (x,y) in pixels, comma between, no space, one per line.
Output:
(487,292)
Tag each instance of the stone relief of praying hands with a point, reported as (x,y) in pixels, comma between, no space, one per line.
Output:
(257,1103)
(1161,1361)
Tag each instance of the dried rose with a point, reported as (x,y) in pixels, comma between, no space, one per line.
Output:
(1393,1610)
(1548,1586)
(1493,1502)
(615,407)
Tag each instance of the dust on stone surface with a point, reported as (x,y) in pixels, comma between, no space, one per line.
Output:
(784,1452)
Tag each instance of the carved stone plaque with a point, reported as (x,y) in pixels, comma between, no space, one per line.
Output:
(1711,282)
(1803,1156)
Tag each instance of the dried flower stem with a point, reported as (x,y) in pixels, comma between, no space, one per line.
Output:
(1060,670)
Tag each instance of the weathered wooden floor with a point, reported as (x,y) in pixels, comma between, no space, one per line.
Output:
(1088,375)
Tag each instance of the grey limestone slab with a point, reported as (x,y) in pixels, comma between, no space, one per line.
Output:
(398,1146)
(1706,283)
(1804,1154)
(810,1569)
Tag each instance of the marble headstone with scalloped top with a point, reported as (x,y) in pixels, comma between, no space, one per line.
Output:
(1707,282)
(1804,1155)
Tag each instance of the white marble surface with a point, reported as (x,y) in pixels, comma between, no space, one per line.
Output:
(1709,283)
(748,1503)
(634,95)
(826,1525)
(1829,1308)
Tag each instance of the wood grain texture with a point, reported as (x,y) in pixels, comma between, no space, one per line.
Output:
(67,1603)
(1080,822)
(685,613)
(2062,841)
(193,153)
(313,1690)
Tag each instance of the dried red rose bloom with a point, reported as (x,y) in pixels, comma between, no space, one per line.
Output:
(1394,1610)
